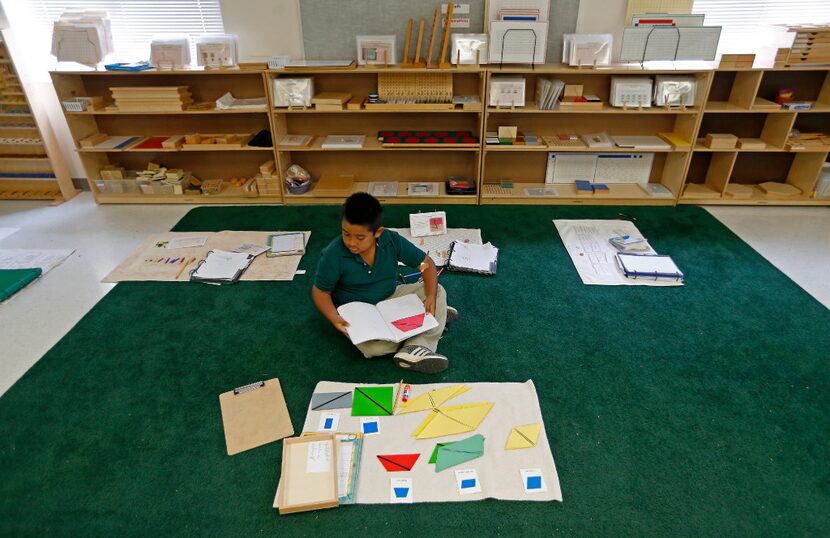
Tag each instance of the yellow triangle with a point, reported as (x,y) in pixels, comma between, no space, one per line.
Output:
(432,399)
(523,436)
(451,420)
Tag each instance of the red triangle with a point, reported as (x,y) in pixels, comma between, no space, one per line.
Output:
(410,323)
(398,462)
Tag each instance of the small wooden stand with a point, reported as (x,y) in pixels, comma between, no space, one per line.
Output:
(406,62)
(442,59)
(435,20)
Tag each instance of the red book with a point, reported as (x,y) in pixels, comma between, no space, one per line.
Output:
(154,142)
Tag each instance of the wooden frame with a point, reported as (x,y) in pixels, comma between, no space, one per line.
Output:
(41,155)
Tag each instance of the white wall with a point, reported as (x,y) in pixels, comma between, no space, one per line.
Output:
(264,27)
(602,17)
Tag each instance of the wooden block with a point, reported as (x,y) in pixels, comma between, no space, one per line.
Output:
(764,104)
(174,142)
(192,139)
(267,167)
(772,188)
(751,143)
(699,190)
(572,90)
(735,190)
(331,98)
(720,141)
(675,140)
(93,140)
(508,132)
(355,103)
(322,107)
(339,185)
(583,187)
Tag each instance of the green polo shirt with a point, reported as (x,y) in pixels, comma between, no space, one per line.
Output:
(349,278)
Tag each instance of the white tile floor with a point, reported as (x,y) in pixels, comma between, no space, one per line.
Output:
(796,240)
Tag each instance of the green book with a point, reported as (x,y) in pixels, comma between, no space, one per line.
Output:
(372,402)
(14,280)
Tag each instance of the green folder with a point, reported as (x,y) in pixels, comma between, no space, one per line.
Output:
(454,453)
(14,280)
(372,402)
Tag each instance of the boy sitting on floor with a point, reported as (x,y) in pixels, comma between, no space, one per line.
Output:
(362,265)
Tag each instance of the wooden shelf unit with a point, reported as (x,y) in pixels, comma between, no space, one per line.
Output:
(206,86)
(525,166)
(31,166)
(374,162)
(727,100)
(741,102)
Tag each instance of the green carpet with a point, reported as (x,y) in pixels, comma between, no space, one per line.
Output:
(701,410)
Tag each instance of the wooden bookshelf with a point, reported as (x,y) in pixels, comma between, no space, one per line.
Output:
(31,165)
(374,161)
(742,102)
(525,166)
(737,101)
(206,86)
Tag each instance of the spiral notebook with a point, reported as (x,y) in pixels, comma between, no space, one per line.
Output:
(473,258)
(650,266)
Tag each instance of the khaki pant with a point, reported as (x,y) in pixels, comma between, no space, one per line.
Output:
(429,339)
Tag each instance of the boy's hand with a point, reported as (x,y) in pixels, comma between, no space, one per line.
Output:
(429,305)
(340,324)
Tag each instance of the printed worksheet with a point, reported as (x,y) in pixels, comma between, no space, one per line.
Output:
(594,258)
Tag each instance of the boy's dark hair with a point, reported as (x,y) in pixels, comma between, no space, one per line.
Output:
(363,209)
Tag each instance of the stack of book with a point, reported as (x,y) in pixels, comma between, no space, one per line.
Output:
(628,243)
(152,98)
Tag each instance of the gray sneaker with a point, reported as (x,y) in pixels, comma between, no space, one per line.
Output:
(420,359)
(452,315)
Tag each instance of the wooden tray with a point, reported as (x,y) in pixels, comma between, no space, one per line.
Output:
(243,141)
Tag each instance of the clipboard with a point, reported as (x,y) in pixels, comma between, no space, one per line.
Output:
(304,483)
(254,415)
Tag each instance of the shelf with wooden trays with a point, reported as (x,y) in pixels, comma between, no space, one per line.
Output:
(402,197)
(168,113)
(203,86)
(373,144)
(376,161)
(619,194)
(741,103)
(489,148)
(532,108)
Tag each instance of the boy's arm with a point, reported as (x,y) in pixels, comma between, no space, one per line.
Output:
(322,300)
(430,277)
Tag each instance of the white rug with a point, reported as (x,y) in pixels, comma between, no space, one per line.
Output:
(499,470)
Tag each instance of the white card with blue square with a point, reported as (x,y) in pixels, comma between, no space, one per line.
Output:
(467,481)
(329,422)
(533,481)
(369,425)
(400,491)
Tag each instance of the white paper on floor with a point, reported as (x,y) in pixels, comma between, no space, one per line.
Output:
(438,246)
(594,257)
(151,261)
(18,258)
(498,469)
